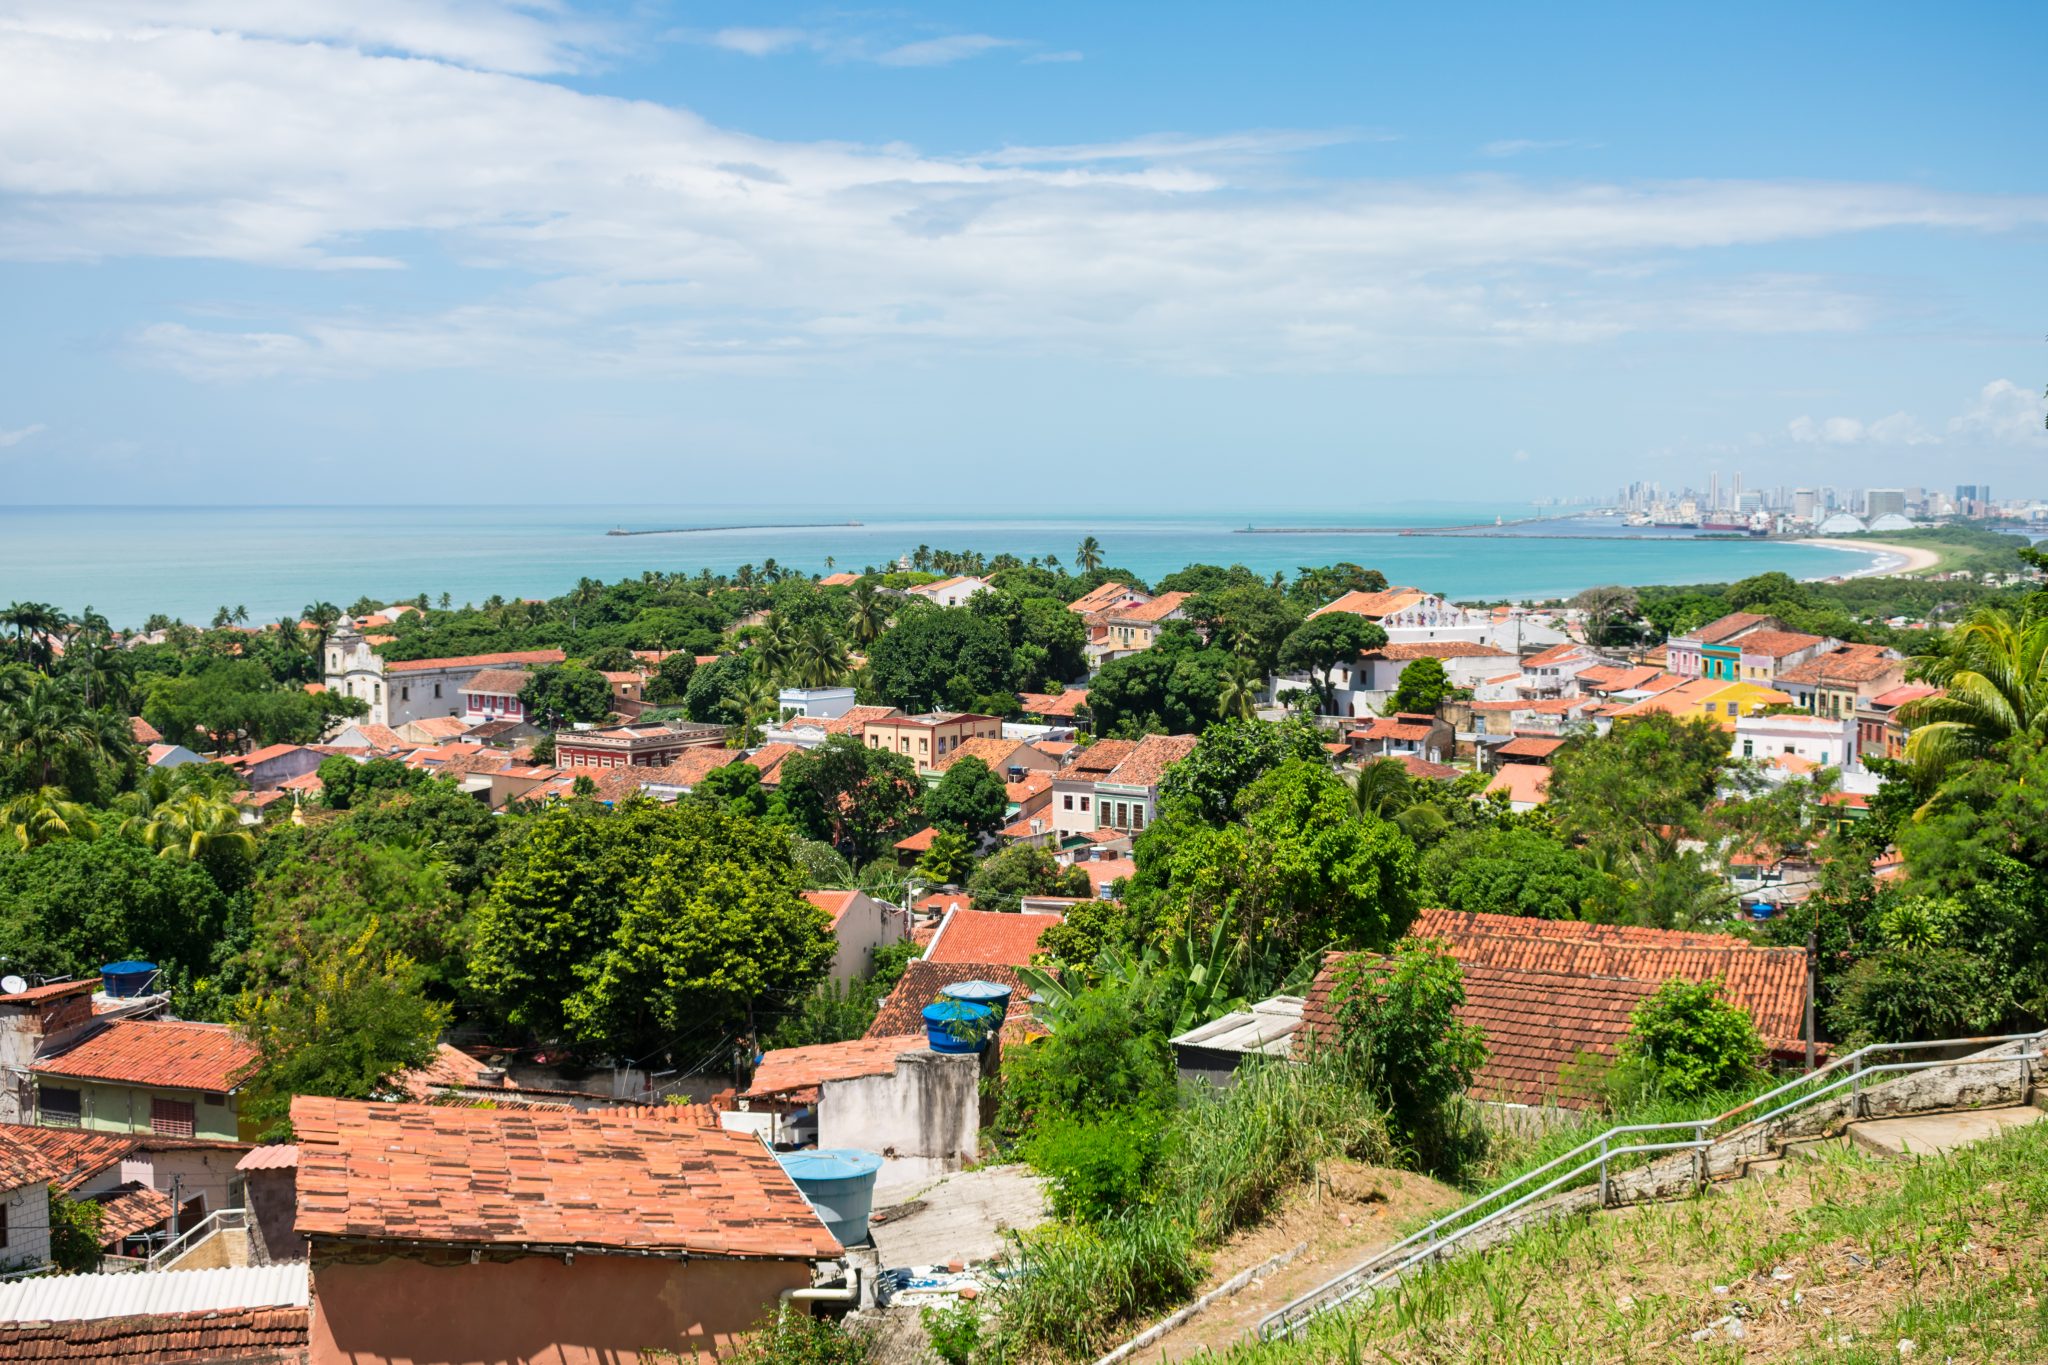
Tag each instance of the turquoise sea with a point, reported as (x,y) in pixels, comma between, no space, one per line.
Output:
(128,562)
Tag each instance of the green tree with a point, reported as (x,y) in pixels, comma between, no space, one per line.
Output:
(1175,687)
(1634,797)
(1399,1016)
(47,727)
(611,659)
(1022,870)
(940,657)
(1422,688)
(45,814)
(947,860)
(737,787)
(75,1245)
(1913,994)
(344,1024)
(1089,555)
(562,694)
(717,925)
(68,906)
(671,681)
(1610,614)
(1238,699)
(1994,674)
(223,703)
(1231,755)
(1318,645)
(1249,619)
(969,799)
(1514,871)
(712,688)
(857,799)
(343,781)
(323,888)
(1689,1040)
(867,615)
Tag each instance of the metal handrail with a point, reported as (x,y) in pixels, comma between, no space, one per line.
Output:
(1434,1239)
(218,1220)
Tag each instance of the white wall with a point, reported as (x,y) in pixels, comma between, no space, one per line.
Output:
(928,1110)
(28,1227)
(866,925)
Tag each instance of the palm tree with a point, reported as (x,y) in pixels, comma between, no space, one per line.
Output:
(44,722)
(45,815)
(1241,686)
(1993,672)
(774,646)
(191,825)
(36,626)
(866,613)
(1089,555)
(817,657)
(99,671)
(1383,788)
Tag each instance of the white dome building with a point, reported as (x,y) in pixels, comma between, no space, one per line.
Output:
(1891,521)
(1841,524)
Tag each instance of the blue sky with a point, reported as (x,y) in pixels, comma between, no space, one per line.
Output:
(1202,256)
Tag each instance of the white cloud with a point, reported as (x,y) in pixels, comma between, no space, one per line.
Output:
(941,51)
(1899,429)
(1522,146)
(757,42)
(1039,58)
(19,434)
(2004,413)
(625,234)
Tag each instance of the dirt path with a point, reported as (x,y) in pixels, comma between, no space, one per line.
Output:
(1352,1210)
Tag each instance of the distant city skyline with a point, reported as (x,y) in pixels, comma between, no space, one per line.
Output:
(347,250)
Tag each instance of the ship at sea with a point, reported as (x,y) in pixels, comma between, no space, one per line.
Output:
(1740,528)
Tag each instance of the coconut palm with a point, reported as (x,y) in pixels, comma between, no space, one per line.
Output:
(1089,555)
(817,657)
(1239,699)
(46,815)
(190,826)
(36,626)
(1993,672)
(867,614)
(1383,788)
(45,722)
(773,644)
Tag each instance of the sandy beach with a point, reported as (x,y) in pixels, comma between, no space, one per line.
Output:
(1893,559)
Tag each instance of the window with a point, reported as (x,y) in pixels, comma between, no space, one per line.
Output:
(170,1118)
(405,694)
(1084,803)
(1068,801)
(377,692)
(3,1225)
(437,691)
(57,1107)
(1138,816)
(1749,748)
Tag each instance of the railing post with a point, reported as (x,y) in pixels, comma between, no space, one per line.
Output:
(1856,1090)
(1699,1158)
(1606,1194)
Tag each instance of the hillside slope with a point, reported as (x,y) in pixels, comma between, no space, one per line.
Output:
(1841,1257)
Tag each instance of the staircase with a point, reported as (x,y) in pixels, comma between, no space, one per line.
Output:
(1883,1103)
(217,1240)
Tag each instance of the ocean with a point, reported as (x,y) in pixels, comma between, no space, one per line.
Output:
(129,562)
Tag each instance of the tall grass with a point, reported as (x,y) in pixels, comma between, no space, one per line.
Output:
(1228,1157)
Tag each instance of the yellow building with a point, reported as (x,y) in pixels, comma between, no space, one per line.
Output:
(1718,699)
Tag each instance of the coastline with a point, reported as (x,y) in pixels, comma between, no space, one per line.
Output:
(1893,560)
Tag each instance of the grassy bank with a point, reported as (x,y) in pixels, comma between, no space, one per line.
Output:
(1959,547)
(1840,1257)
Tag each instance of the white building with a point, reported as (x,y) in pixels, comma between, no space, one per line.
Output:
(398,691)
(824,703)
(950,592)
(1825,741)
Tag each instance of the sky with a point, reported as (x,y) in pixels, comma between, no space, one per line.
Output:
(1185,257)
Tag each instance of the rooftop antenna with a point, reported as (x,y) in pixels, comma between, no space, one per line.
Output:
(12,984)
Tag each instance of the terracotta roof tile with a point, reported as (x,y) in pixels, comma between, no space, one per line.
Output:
(1729,627)
(480,661)
(1058,705)
(994,753)
(1149,760)
(215,1336)
(1100,757)
(130,1208)
(789,1070)
(379,736)
(1437,649)
(988,936)
(1524,783)
(1149,613)
(900,1013)
(172,1054)
(1403,728)
(1768,982)
(499,682)
(526,1177)
(1778,644)
(143,732)
(1101,598)
(72,1155)
(1557,654)
(833,903)
(1422,767)
(1530,746)
(1845,664)
(1373,605)
(275,1156)
(1899,696)
(51,991)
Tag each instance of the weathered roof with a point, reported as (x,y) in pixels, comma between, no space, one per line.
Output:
(1101,598)
(1530,746)
(143,732)
(1730,627)
(275,1156)
(70,1155)
(51,990)
(1267,1028)
(1768,982)
(921,982)
(1557,654)
(1148,613)
(420,1173)
(994,753)
(165,1053)
(1062,704)
(499,682)
(130,1208)
(1373,605)
(1099,758)
(1437,649)
(1845,664)
(988,936)
(799,1071)
(1403,727)
(71,1298)
(1778,644)
(208,1337)
(1149,760)
(1524,783)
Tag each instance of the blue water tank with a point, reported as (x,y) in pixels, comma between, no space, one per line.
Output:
(840,1183)
(993,994)
(121,979)
(958,1026)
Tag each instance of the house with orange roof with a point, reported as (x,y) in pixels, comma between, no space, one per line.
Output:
(842,579)
(1761,655)
(1073,786)
(1411,611)
(644,745)
(1107,597)
(433,729)
(1880,732)
(1402,735)
(267,768)
(1127,796)
(1004,936)
(892,1094)
(1837,681)
(860,925)
(1526,785)
(169,1077)
(1124,629)
(142,732)
(926,740)
(614,1236)
(1010,759)
(1814,741)
(1716,699)
(1068,707)
(1712,650)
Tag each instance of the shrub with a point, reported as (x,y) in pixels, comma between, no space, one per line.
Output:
(1398,1014)
(1099,1167)
(1109,1054)
(1903,995)
(1687,1040)
(954,1333)
(787,1338)
(1078,1283)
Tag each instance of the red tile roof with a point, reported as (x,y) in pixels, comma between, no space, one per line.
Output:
(1061,705)
(921,982)
(844,578)
(1613,678)
(994,753)
(51,991)
(161,1053)
(1156,610)
(505,1177)
(1778,644)
(130,1208)
(1730,626)
(1148,761)
(1373,605)
(143,732)
(1525,783)
(1846,664)
(1557,654)
(23,1163)
(1437,649)
(379,736)
(1536,1024)
(1529,746)
(769,759)
(1395,727)
(797,1072)
(988,936)
(73,1155)
(214,1336)
(1768,982)
(1899,696)
(1422,767)
(501,682)
(918,842)
(276,1156)
(833,903)
(517,656)
(1101,598)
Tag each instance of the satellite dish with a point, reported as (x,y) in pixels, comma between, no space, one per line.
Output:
(13,985)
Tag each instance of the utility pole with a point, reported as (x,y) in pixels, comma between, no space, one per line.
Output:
(1812,987)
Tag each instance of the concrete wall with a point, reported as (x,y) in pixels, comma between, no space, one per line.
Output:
(866,925)
(596,1310)
(126,1109)
(28,1226)
(928,1110)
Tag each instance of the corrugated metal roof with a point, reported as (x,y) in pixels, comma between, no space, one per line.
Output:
(71,1298)
(1267,1027)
